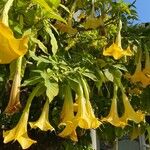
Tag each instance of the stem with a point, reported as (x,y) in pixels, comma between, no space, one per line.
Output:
(118,38)
(31,96)
(86,91)
(5,12)
(115,91)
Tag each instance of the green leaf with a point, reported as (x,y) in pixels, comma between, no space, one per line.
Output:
(53,40)
(120,66)
(50,13)
(40,45)
(55,3)
(109,75)
(52,87)
(90,75)
(65,8)
(32,81)
(38,58)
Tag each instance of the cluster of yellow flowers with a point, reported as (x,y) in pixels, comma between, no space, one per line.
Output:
(75,113)
(78,113)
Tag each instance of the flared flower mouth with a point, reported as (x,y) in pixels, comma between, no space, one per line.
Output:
(114,50)
(43,122)
(113,117)
(129,112)
(10,47)
(139,75)
(19,133)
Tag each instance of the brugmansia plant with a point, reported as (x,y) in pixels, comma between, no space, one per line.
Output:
(68,67)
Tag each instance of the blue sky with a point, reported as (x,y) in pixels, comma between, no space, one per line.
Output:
(143,9)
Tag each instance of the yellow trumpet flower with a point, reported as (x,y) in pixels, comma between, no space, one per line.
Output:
(10,47)
(82,117)
(67,116)
(139,75)
(129,113)
(43,121)
(113,117)
(94,122)
(19,132)
(115,49)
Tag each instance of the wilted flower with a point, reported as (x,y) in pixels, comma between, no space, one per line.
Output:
(10,47)
(43,121)
(14,100)
(19,132)
(93,22)
(67,28)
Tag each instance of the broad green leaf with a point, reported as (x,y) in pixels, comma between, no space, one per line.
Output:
(50,12)
(52,87)
(53,41)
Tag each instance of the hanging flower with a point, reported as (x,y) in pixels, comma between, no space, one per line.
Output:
(19,132)
(43,121)
(115,49)
(113,117)
(95,123)
(67,116)
(10,47)
(129,113)
(138,75)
